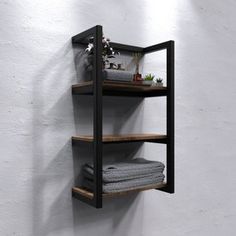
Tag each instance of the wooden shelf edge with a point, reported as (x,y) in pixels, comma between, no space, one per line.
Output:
(88,194)
(117,88)
(82,84)
(118,84)
(122,138)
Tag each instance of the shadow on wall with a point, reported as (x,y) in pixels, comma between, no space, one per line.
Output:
(52,124)
(55,168)
(115,213)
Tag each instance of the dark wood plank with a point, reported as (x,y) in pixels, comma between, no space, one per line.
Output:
(121,89)
(123,138)
(86,193)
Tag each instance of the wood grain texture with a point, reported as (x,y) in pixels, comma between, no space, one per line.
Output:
(123,138)
(89,194)
(121,89)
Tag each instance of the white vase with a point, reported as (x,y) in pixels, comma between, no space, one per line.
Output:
(157,84)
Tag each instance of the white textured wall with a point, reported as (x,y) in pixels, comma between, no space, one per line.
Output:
(37,166)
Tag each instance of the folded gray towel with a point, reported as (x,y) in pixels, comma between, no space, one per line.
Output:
(127,184)
(110,74)
(126,170)
(118,178)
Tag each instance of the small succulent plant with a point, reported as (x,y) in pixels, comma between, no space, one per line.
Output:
(159,80)
(149,77)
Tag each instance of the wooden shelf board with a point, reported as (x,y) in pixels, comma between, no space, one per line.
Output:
(88,194)
(123,138)
(120,89)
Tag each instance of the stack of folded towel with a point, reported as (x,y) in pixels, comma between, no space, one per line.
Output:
(126,175)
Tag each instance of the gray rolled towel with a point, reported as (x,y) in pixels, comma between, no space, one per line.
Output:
(127,184)
(117,75)
(136,168)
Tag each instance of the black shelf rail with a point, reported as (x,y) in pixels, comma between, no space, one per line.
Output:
(96,32)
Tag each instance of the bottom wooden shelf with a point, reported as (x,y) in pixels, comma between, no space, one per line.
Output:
(88,194)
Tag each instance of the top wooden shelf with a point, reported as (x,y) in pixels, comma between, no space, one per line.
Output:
(120,89)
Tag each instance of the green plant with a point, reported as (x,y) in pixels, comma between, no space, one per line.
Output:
(159,80)
(107,50)
(149,77)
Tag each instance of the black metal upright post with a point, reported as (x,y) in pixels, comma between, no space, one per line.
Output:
(97,116)
(170,118)
(170,109)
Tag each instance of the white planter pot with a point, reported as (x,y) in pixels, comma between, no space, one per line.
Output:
(157,84)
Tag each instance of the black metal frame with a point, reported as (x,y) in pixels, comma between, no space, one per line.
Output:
(96,32)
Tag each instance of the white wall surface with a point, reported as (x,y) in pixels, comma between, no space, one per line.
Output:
(38,116)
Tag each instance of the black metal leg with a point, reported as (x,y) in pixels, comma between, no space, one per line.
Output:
(97,117)
(95,32)
(170,119)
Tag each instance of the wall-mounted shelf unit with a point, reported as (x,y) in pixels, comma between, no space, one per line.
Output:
(98,88)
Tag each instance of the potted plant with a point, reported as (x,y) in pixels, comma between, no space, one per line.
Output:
(149,79)
(107,53)
(159,82)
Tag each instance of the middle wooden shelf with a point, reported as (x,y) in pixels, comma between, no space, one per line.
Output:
(122,138)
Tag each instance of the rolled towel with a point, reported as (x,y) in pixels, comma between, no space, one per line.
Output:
(126,170)
(127,184)
(118,75)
